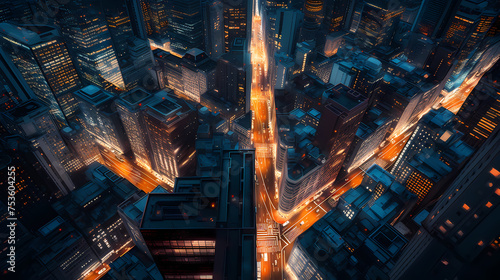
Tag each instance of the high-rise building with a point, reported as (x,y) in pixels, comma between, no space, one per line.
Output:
(82,144)
(313,17)
(120,30)
(338,14)
(171,126)
(33,122)
(480,113)
(213,18)
(206,228)
(101,118)
(198,74)
(231,79)
(130,106)
(15,89)
(185,25)
(138,12)
(44,62)
(169,71)
(288,23)
(378,21)
(433,17)
(235,21)
(158,11)
(440,61)
(284,67)
(418,50)
(89,41)
(459,237)
(343,111)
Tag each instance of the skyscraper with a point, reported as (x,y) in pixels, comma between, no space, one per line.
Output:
(231,78)
(433,17)
(480,113)
(213,18)
(44,62)
(206,228)
(313,17)
(90,42)
(338,14)
(460,234)
(171,126)
(198,74)
(120,30)
(185,25)
(377,23)
(287,26)
(343,111)
(101,118)
(33,122)
(235,21)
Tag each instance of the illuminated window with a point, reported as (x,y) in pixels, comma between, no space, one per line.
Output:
(460,233)
(489,204)
(497,192)
(495,173)
(442,229)
(466,207)
(449,223)
(480,243)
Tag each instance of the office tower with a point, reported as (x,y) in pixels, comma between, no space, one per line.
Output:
(286,30)
(101,118)
(372,131)
(462,229)
(235,21)
(129,107)
(440,61)
(213,18)
(432,152)
(138,12)
(343,111)
(360,72)
(34,188)
(17,11)
(131,211)
(470,45)
(74,260)
(198,74)
(120,31)
(418,50)
(303,55)
(171,126)
(480,113)
(338,15)
(408,98)
(231,79)
(242,127)
(433,17)
(92,208)
(89,41)
(313,17)
(347,241)
(158,16)
(138,66)
(199,231)
(13,81)
(307,92)
(33,122)
(284,68)
(82,144)
(44,62)
(377,23)
(170,71)
(301,170)
(185,25)
(463,22)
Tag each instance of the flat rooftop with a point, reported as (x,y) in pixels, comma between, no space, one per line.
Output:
(135,96)
(345,96)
